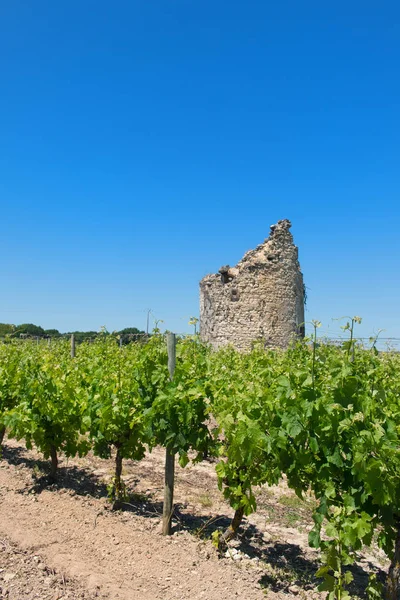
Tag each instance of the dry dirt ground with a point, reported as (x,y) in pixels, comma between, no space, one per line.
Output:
(64,541)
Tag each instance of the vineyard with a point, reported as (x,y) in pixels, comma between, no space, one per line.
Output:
(325,419)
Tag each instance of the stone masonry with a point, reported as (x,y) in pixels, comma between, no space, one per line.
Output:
(262,298)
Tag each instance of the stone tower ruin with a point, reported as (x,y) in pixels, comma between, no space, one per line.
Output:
(262,298)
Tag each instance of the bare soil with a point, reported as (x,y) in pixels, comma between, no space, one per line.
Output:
(64,540)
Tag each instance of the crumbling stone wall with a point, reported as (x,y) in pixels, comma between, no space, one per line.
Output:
(262,298)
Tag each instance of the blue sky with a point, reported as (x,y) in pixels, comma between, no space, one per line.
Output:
(144,144)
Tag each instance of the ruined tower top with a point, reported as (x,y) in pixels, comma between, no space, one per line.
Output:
(262,297)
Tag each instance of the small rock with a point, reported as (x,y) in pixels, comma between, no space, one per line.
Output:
(9,576)
(293,589)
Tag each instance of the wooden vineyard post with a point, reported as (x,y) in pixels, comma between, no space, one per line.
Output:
(72,346)
(169,456)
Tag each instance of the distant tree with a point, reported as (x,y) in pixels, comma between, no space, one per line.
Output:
(29,329)
(130,334)
(52,332)
(6,329)
(130,330)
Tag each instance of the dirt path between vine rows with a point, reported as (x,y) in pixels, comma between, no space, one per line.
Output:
(109,552)
(70,530)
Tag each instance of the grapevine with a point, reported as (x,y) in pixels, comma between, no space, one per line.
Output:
(327,418)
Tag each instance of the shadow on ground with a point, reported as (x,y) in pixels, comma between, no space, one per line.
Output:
(80,481)
(289,566)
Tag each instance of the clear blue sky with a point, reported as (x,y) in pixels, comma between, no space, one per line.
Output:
(144,144)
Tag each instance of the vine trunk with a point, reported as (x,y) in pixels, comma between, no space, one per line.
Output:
(393,579)
(231,531)
(54,463)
